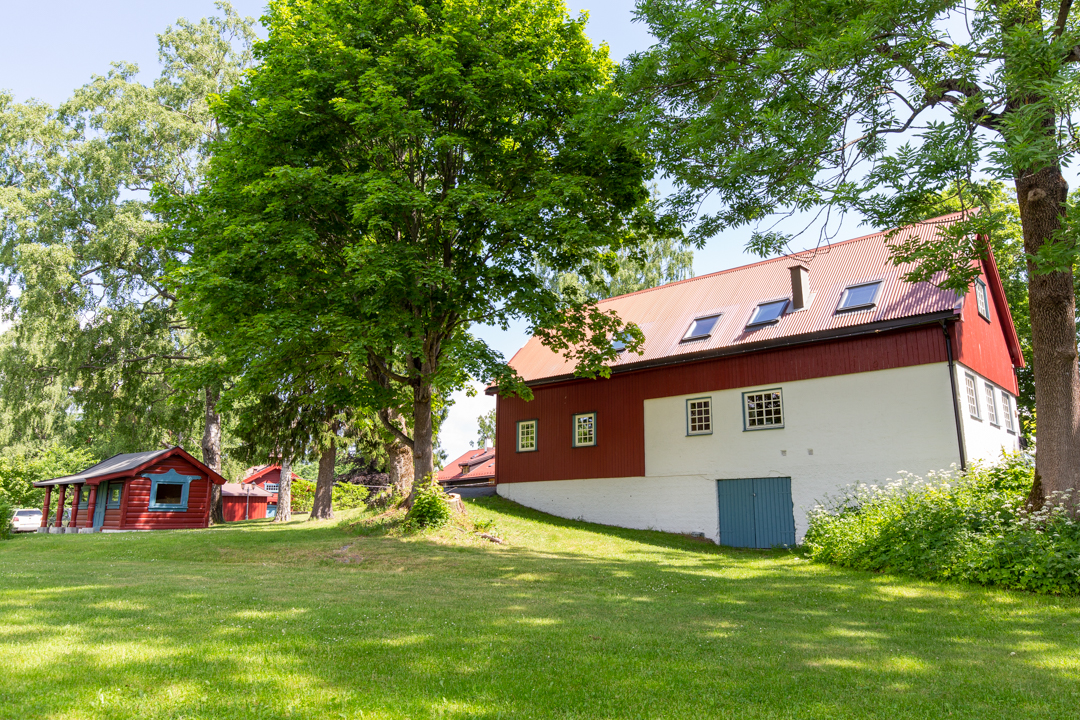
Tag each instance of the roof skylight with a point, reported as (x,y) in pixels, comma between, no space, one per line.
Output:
(858,297)
(768,312)
(701,328)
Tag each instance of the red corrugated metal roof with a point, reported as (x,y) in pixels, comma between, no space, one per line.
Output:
(664,313)
(481,463)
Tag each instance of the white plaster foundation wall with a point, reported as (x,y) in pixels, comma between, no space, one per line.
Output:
(671,504)
(982,440)
(863,427)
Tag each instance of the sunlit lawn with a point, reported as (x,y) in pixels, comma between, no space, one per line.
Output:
(564,620)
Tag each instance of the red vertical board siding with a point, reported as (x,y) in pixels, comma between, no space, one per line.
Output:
(981,344)
(619,401)
(233,508)
(272,476)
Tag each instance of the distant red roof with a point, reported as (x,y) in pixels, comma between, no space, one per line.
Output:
(259,472)
(242,489)
(665,313)
(480,462)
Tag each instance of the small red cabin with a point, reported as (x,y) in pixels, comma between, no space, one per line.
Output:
(158,490)
(243,501)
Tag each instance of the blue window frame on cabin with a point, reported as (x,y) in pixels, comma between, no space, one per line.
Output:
(114,495)
(169,491)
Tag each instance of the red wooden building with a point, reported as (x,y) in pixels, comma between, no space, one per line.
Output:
(762,389)
(158,490)
(244,501)
(476,467)
(268,478)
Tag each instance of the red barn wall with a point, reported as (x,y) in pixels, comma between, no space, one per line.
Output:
(619,401)
(981,344)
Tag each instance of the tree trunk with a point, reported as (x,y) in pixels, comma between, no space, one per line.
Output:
(323,507)
(1052,305)
(423,432)
(284,496)
(399,461)
(211,451)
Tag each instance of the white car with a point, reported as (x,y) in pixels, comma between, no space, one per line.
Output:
(26,520)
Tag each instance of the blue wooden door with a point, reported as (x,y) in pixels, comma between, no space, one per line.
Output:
(756,512)
(736,512)
(99,504)
(774,517)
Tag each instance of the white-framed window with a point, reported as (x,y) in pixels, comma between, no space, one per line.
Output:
(763,410)
(1007,411)
(699,416)
(526,435)
(858,297)
(972,396)
(272,487)
(585,429)
(991,406)
(981,300)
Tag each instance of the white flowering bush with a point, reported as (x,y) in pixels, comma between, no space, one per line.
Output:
(969,526)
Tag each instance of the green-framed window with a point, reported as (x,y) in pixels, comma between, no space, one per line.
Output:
(584,429)
(763,409)
(527,431)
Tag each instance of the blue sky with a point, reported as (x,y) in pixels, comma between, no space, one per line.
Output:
(47,49)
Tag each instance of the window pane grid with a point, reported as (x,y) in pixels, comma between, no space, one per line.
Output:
(1006,410)
(699,416)
(991,406)
(972,398)
(526,435)
(585,429)
(763,409)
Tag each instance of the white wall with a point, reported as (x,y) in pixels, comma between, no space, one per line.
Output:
(983,440)
(863,427)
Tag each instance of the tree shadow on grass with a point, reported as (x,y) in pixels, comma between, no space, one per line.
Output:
(423,628)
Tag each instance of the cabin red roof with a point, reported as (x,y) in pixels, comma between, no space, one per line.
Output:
(257,473)
(480,462)
(665,313)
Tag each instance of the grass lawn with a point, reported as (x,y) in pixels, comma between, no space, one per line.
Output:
(566,620)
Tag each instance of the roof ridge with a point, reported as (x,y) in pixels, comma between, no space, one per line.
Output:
(941,219)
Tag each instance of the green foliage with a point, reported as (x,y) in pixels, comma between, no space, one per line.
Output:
(96,336)
(431,508)
(19,469)
(7,512)
(772,107)
(355,269)
(346,496)
(485,429)
(303,495)
(972,527)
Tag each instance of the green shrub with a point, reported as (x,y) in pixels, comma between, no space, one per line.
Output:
(346,496)
(970,527)
(431,508)
(7,512)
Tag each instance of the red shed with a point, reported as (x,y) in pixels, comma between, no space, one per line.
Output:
(157,490)
(243,501)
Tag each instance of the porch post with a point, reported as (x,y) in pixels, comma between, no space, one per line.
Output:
(60,509)
(73,523)
(91,505)
(45,510)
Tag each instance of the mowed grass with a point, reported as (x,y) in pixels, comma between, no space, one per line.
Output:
(566,620)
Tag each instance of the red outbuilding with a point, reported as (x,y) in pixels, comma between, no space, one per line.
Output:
(268,478)
(157,490)
(244,501)
(476,467)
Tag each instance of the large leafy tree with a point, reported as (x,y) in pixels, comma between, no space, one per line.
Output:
(393,172)
(97,335)
(879,106)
